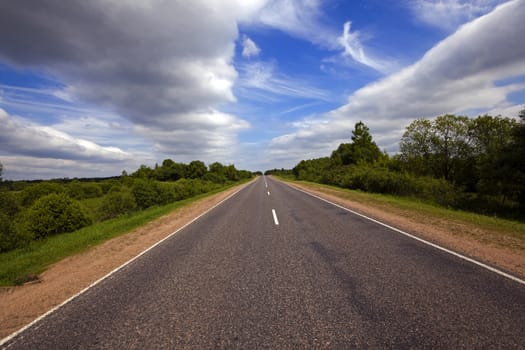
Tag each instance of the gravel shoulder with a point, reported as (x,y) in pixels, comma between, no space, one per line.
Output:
(20,305)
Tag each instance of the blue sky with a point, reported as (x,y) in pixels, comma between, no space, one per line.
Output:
(93,88)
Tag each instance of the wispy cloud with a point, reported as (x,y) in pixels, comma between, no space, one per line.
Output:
(352,47)
(459,74)
(305,20)
(449,14)
(263,76)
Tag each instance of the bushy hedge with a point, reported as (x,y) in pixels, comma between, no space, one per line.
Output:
(79,190)
(53,214)
(148,193)
(382,180)
(117,203)
(33,192)
(31,210)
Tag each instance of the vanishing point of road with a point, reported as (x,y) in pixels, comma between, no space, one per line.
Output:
(273,267)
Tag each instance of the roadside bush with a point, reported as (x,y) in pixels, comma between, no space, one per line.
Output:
(438,191)
(166,193)
(31,193)
(53,214)
(215,178)
(79,190)
(181,189)
(9,238)
(146,193)
(8,204)
(116,203)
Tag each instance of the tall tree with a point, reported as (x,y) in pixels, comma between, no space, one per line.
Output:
(440,147)
(492,137)
(362,149)
(416,147)
(516,153)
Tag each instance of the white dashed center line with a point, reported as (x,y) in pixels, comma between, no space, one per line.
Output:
(275,220)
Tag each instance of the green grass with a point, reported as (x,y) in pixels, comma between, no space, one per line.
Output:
(21,265)
(410,205)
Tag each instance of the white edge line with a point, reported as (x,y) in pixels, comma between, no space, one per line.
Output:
(275,217)
(485,266)
(13,335)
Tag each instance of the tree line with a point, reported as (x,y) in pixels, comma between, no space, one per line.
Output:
(33,210)
(473,164)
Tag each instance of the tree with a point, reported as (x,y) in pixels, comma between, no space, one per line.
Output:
(216,167)
(1,169)
(363,149)
(440,147)
(415,147)
(516,160)
(491,139)
(450,145)
(196,169)
(170,171)
(144,172)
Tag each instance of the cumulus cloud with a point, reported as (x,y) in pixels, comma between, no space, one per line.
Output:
(249,48)
(152,61)
(22,137)
(463,72)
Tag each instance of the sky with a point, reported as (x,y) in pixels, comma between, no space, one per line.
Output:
(92,88)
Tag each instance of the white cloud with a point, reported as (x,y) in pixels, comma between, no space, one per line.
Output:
(249,48)
(152,62)
(353,48)
(264,76)
(304,19)
(449,14)
(299,18)
(18,136)
(464,72)
(33,168)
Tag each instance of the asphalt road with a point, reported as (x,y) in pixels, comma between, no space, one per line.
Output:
(321,278)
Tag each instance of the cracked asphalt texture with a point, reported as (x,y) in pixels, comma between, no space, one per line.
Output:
(322,278)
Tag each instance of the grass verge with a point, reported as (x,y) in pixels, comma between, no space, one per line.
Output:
(410,207)
(23,265)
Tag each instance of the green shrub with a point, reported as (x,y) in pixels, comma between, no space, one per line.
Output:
(81,190)
(166,193)
(31,193)
(438,191)
(116,203)
(53,214)
(9,238)
(146,193)
(181,189)
(8,204)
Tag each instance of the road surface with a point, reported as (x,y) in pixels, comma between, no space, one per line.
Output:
(275,268)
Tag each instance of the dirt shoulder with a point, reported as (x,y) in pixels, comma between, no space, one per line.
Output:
(22,304)
(492,248)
